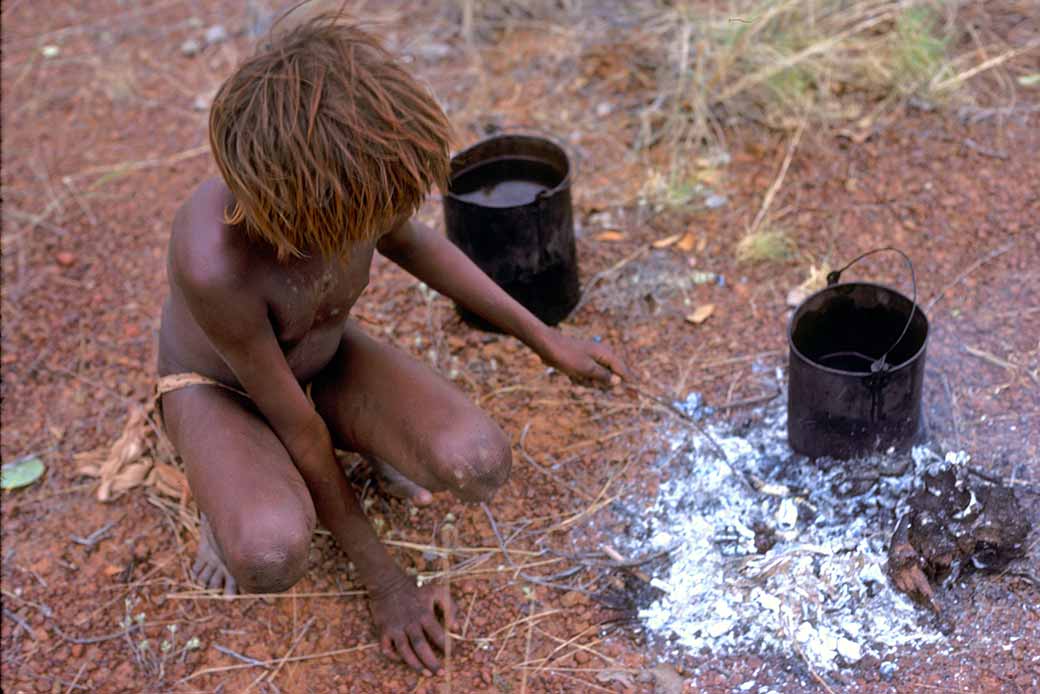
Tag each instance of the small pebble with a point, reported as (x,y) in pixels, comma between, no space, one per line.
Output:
(433,51)
(716,200)
(50,51)
(216,34)
(190,47)
(888,670)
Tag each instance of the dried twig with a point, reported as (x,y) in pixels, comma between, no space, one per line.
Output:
(448,538)
(293,659)
(995,253)
(498,535)
(281,662)
(95,537)
(243,658)
(20,622)
(984,151)
(527,647)
(749,402)
(779,181)
(586,291)
(545,471)
(95,639)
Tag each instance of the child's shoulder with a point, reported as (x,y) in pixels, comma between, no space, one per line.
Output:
(204,207)
(202,246)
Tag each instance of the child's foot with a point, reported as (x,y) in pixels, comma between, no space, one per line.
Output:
(209,569)
(396,484)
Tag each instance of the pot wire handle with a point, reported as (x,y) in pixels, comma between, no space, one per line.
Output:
(834,276)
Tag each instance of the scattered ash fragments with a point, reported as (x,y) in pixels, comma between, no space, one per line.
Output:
(778,554)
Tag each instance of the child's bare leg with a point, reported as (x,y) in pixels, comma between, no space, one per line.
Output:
(257,513)
(380,402)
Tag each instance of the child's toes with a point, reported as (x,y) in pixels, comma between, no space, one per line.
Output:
(204,574)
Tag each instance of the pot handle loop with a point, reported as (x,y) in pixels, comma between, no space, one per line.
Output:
(881,364)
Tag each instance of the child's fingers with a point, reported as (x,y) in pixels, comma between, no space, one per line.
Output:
(595,371)
(386,645)
(607,358)
(404,648)
(422,649)
(435,632)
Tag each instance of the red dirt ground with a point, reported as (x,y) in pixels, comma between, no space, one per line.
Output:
(100,144)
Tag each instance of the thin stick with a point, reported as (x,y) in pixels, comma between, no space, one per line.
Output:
(527,647)
(75,681)
(607,437)
(748,402)
(448,540)
(531,461)
(586,291)
(469,613)
(296,642)
(498,535)
(779,181)
(294,659)
(996,253)
(990,358)
(564,644)
(434,549)
(126,167)
(985,65)
(239,656)
(20,622)
(679,413)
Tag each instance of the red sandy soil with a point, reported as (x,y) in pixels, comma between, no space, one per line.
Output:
(100,144)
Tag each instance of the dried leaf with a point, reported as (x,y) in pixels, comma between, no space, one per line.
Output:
(610,236)
(666,241)
(686,244)
(666,680)
(701,314)
(816,281)
(619,676)
(21,472)
(168,480)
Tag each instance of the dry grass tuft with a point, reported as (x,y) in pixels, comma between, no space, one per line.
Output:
(769,245)
(777,62)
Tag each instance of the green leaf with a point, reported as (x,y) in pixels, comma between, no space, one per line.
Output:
(21,472)
(1030,80)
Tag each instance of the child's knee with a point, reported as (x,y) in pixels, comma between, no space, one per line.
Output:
(272,553)
(473,459)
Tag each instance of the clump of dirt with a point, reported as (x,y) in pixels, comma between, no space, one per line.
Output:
(954,521)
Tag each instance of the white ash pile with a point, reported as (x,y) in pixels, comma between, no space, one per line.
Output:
(774,553)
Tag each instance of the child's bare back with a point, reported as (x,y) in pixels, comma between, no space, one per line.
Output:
(326,148)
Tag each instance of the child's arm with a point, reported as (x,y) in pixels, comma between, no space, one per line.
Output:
(235,320)
(432,258)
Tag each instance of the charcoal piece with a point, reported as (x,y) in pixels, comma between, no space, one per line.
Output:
(954,520)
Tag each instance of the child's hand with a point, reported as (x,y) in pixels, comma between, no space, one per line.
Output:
(407,624)
(583,360)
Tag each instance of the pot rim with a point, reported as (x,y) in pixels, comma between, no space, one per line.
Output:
(529,135)
(842,372)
